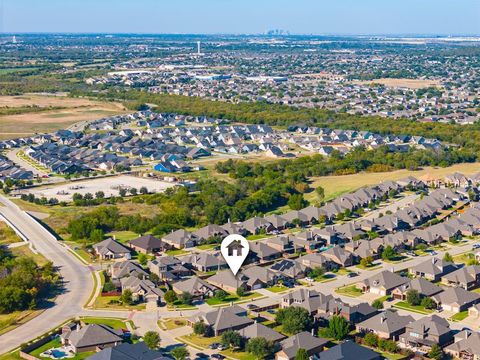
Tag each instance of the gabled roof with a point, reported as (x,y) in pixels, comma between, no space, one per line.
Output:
(147,242)
(110,245)
(93,335)
(259,330)
(126,351)
(349,350)
(387,322)
(303,340)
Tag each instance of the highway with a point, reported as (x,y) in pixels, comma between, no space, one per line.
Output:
(78,282)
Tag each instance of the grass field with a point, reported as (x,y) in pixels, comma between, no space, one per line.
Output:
(337,185)
(350,291)
(112,322)
(413,308)
(460,316)
(72,110)
(233,298)
(7,235)
(103,302)
(404,83)
(25,251)
(173,323)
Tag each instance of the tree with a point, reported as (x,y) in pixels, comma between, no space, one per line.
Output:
(366,262)
(320,192)
(179,353)
(100,195)
(436,352)
(260,347)
(302,354)
(428,303)
(186,298)
(317,272)
(371,339)
(199,328)
(388,253)
(338,328)
(296,202)
(377,304)
(109,286)
(221,295)
(126,297)
(447,257)
(142,259)
(413,297)
(143,190)
(294,319)
(151,339)
(240,291)
(170,296)
(231,338)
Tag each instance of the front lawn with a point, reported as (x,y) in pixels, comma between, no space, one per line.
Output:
(55,343)
(256,237)
(232,298)
(200,341)
(114,323)
(173,323)
(413,308)
(350,290)
(113,302)
(122,236)
(207,246)
(277,289)
(176,252)
(178,304)
(460,316)
(240,355)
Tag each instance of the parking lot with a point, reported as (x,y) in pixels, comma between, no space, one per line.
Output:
(109,185)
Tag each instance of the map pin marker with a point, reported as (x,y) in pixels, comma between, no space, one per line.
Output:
(235,249)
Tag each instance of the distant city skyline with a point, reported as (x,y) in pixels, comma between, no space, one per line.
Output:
(340,17)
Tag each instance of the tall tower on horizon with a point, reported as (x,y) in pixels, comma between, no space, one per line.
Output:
(14,39)
(198,48)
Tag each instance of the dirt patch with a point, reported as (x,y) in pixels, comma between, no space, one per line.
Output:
(402,83)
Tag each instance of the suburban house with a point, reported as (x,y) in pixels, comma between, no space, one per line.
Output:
(348,350)
(466,346)
(352,313)
(387,325)
(180,239)
(223,319)
(127,351)
(432,269)
(142,290)
(261,252)
(148,244)
(310,300)
(304,340)
(423,333)
(259,330)
(126,268)
(456,299)
(110,249)
(90,337)
(195,286)
(467,277)
(205,262)
(339,256)
(424,287)
(168,268)
(382,283)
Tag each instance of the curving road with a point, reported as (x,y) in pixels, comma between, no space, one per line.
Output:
(78,282)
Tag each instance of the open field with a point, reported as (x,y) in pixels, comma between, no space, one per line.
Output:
(7,235)
(72,111)
(109,185)
(337,185)
(402,83)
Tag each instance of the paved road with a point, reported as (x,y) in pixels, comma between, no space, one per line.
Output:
(77,279)
(13,156)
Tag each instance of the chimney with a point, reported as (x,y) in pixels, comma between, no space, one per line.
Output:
(78,327)
(382,319)
(313,332)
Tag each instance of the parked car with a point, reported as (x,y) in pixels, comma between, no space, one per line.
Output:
(202,356)
(309,279)
(222,347)
(352,274)
(214,345)
(218,356)
(476,246)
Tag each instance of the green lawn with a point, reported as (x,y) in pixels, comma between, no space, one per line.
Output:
(179,305)
(277,289)
(103,302)
(233,298)
(463,258)
(371,267)
(413,308)
(55,343)
(114,323)
(176,252)
(122,236)
(240,355)
(460,316)
(207,246)
(256,237)
(200,341)
(350,290)
(173,323)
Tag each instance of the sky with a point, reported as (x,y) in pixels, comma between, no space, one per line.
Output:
(445,17)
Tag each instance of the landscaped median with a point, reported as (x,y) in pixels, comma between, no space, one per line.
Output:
(233,298)
(459,316)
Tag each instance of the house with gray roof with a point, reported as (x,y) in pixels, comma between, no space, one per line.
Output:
(420,335)
(180,239)
(386,325)
(348,350)
(310,300)
(304,340)
(127,351)
(339,255)
(352,313)
(261,252)
(90,337)
(424,287)
(382,283)
(210,231)
(126,268)
(467,277)
(432,269)
(466,346)
(257,224)
(289,269)
(278,221)
(148,244)
(257,330)
(195,286)
(205,262)
(142,289)
(110,249)
(456,299)
(223,319)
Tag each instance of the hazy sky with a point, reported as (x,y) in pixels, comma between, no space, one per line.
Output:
(243,16)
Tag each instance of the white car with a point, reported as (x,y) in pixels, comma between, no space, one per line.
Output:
(309,279)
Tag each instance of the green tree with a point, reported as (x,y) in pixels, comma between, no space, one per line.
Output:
(296,202)
(371,339)
(436,352)
(142,259)
(199,328)
(231,338)
(377,304)
(294,319)
(260,347)
(317,272)
(428,303)
(388,253)
(240,291)
(221,295)
(170,297)
(186,298)
(126,297)
(151,339)
(448,257)
(179,353)
(413,297)
(320,192)
(338,328)
(302,354)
